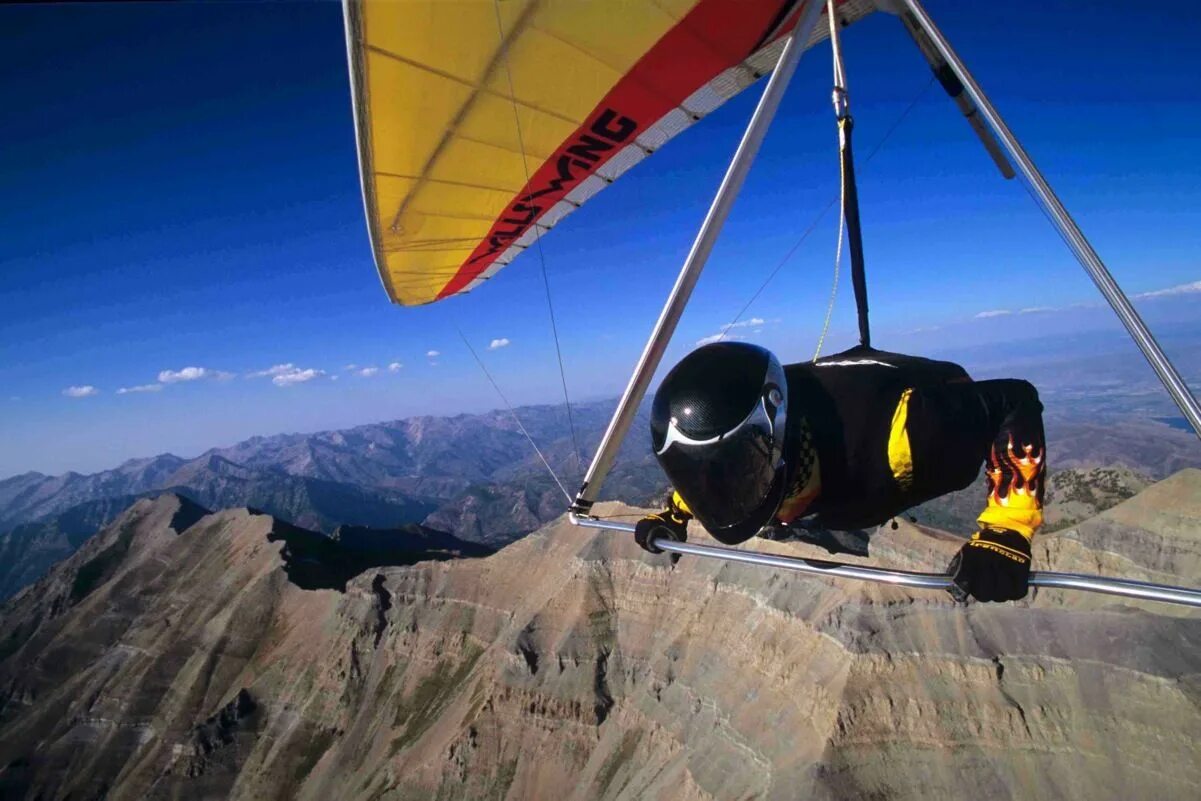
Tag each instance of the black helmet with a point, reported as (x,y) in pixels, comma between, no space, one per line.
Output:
(717,426)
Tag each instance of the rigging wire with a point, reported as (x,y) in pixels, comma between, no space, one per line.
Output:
(550,306)
(821,215)
(513,412)
(842,227)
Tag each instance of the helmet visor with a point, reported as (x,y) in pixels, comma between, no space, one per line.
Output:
(726,480)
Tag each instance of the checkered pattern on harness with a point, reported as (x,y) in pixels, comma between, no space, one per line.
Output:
(806,457)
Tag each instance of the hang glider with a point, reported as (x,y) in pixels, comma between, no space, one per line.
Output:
(482,125)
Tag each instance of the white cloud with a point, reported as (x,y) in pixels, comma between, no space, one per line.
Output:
(195,374)
(186,374)
(718,337)
(277,369)
(723,333)
(1191,288)
(497,344)
(351,366)
(140,388)
(395,367)
(367,372)
(1181,289)
(296,376)
(84,391)
(433,354)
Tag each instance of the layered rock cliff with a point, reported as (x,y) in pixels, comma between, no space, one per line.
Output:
(187,663)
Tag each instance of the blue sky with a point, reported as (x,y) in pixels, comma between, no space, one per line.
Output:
(179,189)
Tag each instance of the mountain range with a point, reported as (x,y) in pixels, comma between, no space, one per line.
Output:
(187,654)
(422,460)
(473,476)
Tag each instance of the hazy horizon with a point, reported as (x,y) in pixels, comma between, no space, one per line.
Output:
(1083,348)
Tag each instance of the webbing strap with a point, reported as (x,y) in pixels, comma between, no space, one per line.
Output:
(850,212)
(850,193)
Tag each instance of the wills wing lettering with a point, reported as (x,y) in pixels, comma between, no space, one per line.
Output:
(581,153)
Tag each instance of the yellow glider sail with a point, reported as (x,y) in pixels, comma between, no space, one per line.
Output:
(483,123)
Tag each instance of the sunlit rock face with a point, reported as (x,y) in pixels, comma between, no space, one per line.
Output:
(175,656)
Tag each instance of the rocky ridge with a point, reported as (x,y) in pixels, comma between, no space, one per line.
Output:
(571,664)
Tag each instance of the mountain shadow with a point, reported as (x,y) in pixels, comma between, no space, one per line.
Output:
(314,561)
(28,550)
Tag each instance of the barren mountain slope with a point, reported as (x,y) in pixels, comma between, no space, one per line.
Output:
(572,665)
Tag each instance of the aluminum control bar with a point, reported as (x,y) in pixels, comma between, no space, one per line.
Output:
(1125,588)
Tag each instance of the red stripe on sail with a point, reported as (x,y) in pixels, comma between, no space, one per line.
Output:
(714,36)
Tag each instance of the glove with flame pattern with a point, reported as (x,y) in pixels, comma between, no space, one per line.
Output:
(994,565)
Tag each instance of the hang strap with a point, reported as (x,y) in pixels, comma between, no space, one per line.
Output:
(850,193)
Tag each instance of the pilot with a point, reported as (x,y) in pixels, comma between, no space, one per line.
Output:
(848,442)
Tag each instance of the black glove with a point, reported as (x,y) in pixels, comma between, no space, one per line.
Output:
(668,524)
(994,565)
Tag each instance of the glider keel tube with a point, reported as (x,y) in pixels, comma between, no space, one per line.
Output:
(1125,588)
(723,201)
